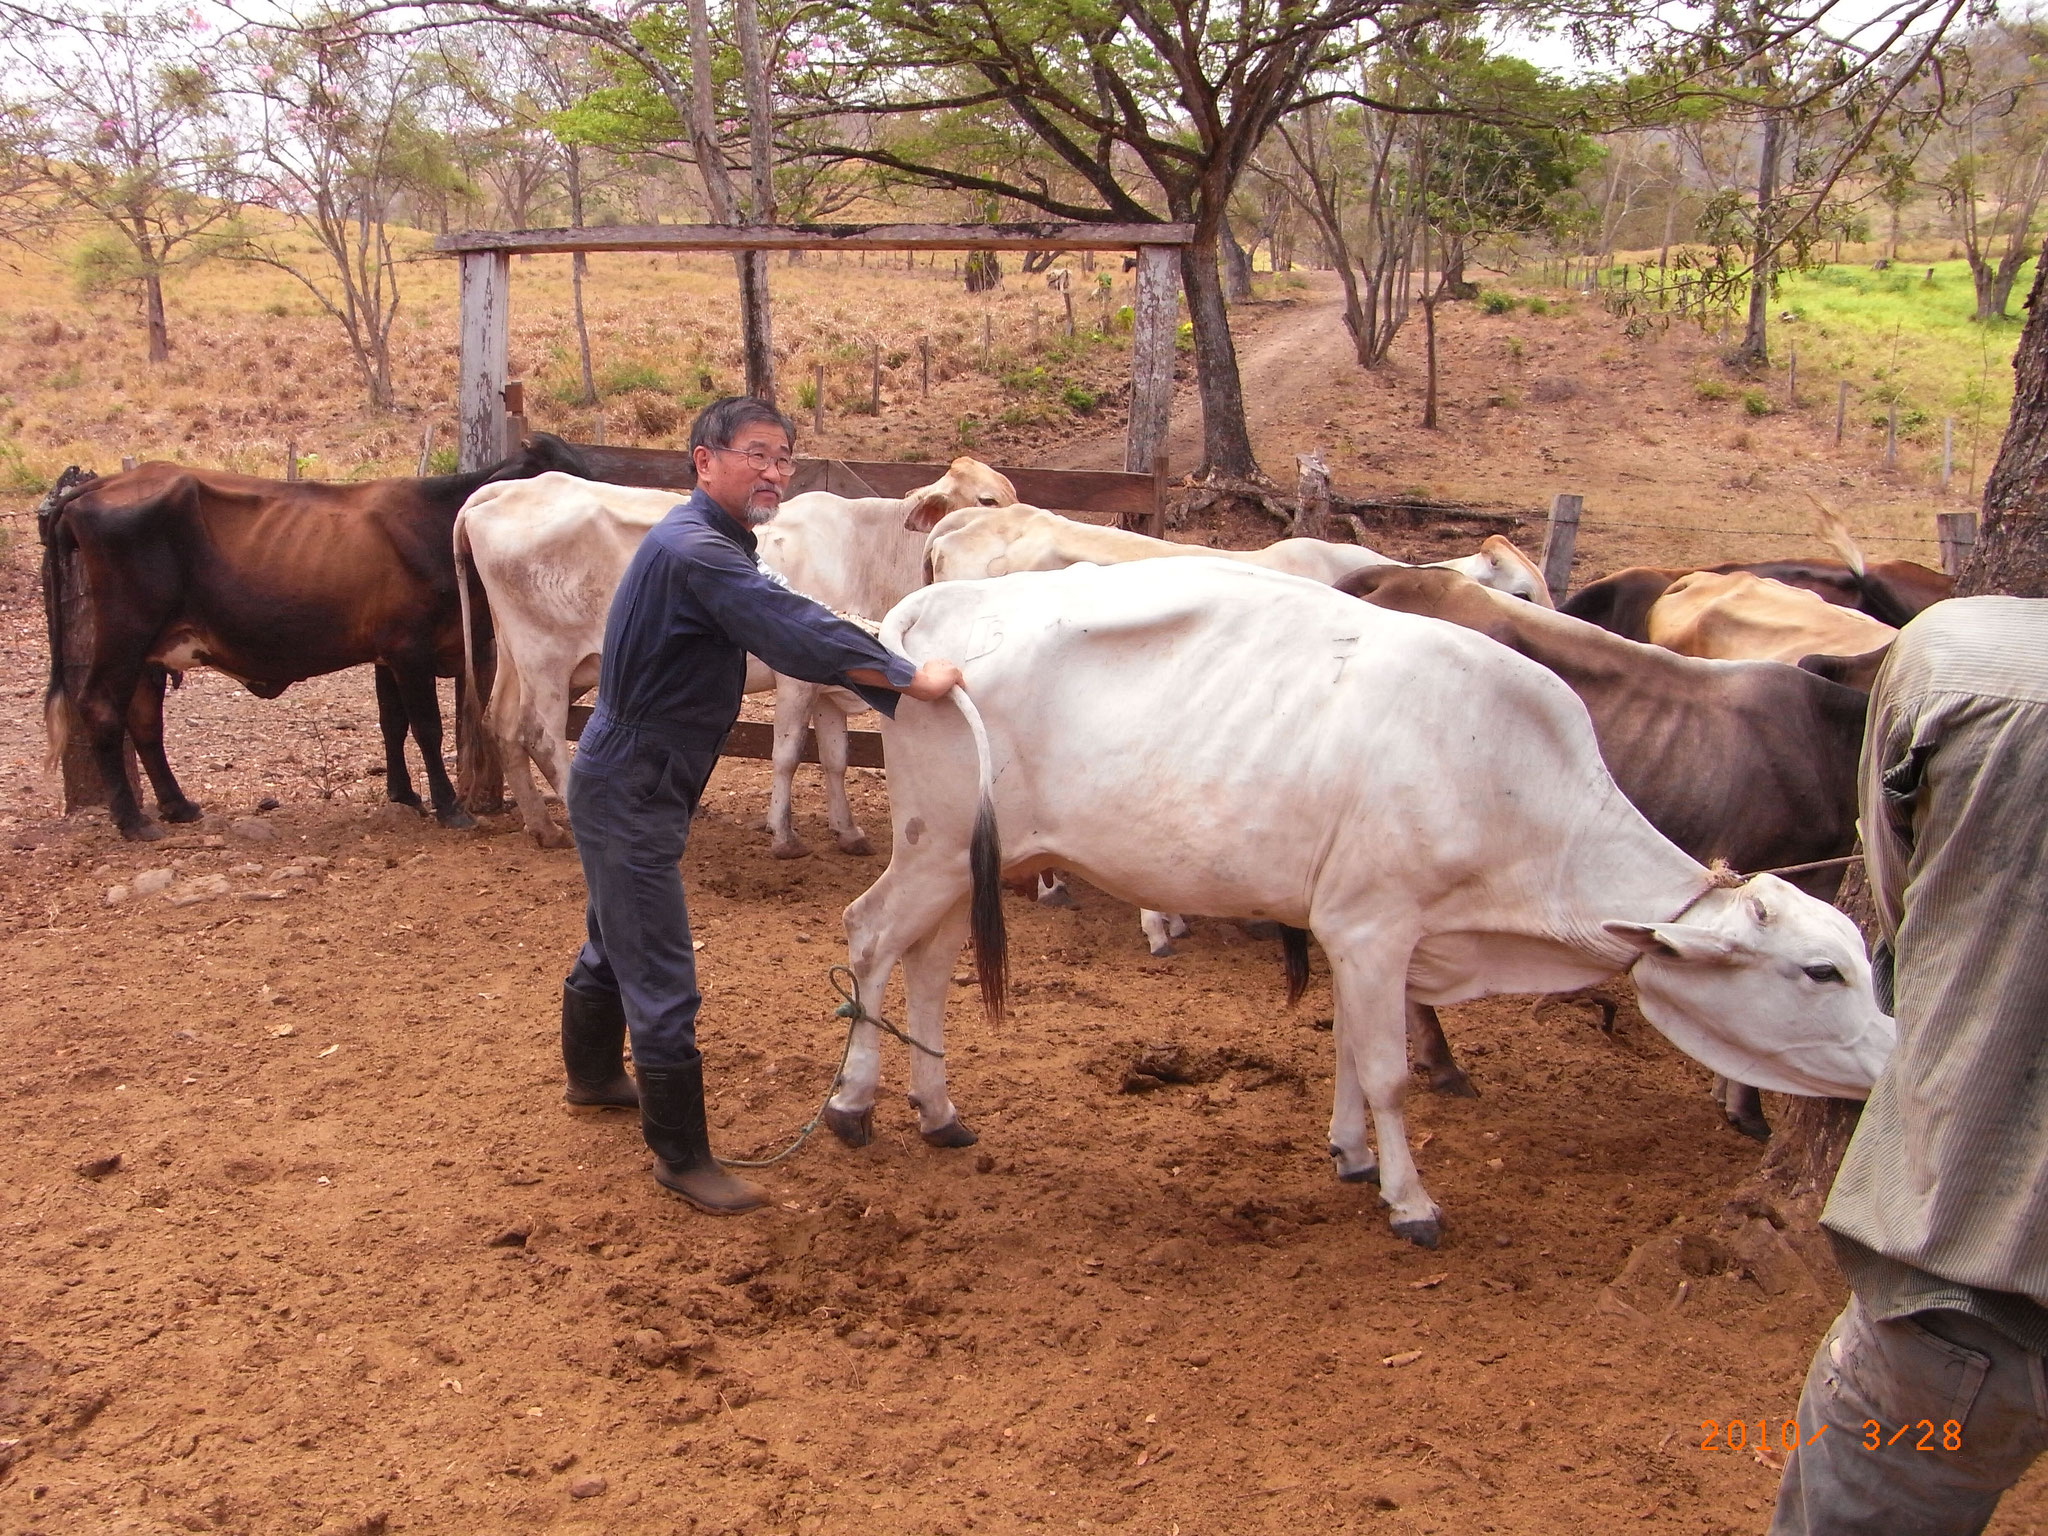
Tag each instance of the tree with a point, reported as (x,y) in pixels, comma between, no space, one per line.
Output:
(339,129)
(2011,552)
(1151,109)
(122,130)
(1996,137)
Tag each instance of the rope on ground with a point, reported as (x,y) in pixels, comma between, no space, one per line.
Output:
(850,1009)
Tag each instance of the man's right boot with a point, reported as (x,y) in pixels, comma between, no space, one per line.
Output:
(672,1120)
(594,1050)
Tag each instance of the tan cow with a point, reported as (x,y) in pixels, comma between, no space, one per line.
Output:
(1734,616)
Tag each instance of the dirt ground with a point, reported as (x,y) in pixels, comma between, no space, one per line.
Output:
(358,1270)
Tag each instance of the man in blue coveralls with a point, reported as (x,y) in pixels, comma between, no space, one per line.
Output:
(694,603)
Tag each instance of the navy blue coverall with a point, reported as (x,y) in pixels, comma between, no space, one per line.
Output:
(692,605)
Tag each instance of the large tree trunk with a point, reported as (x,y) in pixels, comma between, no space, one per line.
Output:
(153,314)
(754,309)
(1226,441)
(1755,349)
(2011,553)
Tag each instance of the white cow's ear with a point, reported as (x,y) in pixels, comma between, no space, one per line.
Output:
(1674,941)
(923,514)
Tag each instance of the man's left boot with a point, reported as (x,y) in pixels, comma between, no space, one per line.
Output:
(672,1120)
(594,1050)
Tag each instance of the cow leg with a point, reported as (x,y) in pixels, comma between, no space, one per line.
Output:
(832,753)
(391,721)
(423,711)
(1370,1019)
(925,912)
(927,981)
(1742,1107)
(1428,1048)
(1350,1144)
(1157,927)
(1052,889)
(146,725)
(794,703)
(518,722)
(103,705)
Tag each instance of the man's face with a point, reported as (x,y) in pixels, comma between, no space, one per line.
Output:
(746,478)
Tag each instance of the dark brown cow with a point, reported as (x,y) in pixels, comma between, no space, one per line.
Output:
(1890,591)
(1751,762)
(269,581)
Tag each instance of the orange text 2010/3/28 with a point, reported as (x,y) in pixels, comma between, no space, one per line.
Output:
(1917,1434)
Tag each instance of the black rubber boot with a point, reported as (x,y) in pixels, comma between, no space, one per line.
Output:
(594,1050)
(672,1120)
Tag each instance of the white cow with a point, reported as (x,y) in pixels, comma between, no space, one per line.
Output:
(968,546)
(550,552)
(1202,736)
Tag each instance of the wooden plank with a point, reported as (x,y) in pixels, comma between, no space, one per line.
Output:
(1022,236)
(485,285)
(756,739)
(1154,314)
(1957,535)
(1113,493)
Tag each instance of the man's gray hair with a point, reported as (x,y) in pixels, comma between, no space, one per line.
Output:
(722,420)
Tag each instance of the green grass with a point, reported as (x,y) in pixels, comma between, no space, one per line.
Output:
(1896,335)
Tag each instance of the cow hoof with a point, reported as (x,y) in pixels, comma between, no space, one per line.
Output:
(1370,1174)
(1756,1130)
(554,837)
(181,811)
(951,1134)
(1423,1234)
(857,846)
(456,819)
(1453,1083)
(1058,896)
(142,832)
(789,851)
(853,1127)
(1161,950)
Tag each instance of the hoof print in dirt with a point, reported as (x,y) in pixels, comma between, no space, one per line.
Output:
(854,1128)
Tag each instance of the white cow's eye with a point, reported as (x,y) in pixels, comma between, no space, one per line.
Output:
(1823,972)
(986,501)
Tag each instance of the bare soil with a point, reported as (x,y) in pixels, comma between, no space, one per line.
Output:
(358,1270)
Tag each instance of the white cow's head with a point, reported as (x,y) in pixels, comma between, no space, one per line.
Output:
(966,484)
(1766,985)
(1504,568)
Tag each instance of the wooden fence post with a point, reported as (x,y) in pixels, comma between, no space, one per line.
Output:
(875,383)
(515,417)
(1068,295)
(291,458)
(1154,309)
(924,357)
(1792,378)
(1957,534)
(1312,491)
(1948,449)
(1891,437)
(988,337)
(1558,539)
(484,281)
(818,397)
(427,452)
(128,461)
(1841,409)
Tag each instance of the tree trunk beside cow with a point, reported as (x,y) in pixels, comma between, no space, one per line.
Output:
(2011,553)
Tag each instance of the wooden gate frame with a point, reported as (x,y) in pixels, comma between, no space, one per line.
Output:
(485,287)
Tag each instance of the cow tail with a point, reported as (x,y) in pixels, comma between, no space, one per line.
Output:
(985,863)
(462,570)
(1294,955)
(56,717)
(1836,532)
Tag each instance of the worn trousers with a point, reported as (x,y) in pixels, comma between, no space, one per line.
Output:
(1911,1427)
(630,804)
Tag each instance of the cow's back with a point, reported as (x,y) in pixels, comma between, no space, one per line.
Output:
(551,550)
(853,554)
(1739,616)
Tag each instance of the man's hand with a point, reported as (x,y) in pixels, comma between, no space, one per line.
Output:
(934,680)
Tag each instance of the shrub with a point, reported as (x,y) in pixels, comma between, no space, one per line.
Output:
(443,461)
(16,477)
(1080,401)
(807,394)
(1539,305)
(1494,302)
(1711,389)
(967,431)
(1023,381)
(655,415)
(625,378)
(1756,402)
(1184,337)
(1124,318)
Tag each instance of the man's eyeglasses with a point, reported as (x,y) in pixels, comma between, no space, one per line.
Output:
(781,463)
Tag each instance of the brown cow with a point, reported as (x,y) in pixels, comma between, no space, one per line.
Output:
(1890,591)
(1751,762)
(269,581)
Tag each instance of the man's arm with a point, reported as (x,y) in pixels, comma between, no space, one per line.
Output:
(934,680)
